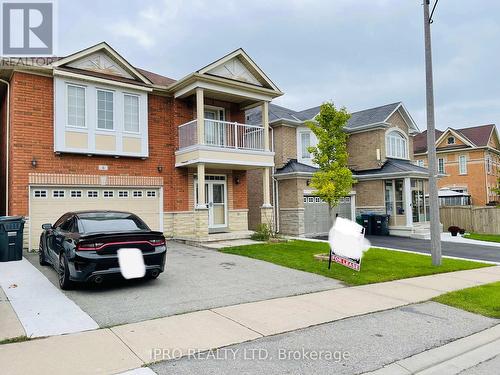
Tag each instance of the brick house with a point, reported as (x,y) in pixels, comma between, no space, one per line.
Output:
(91,131)
(468,160)
(380,147)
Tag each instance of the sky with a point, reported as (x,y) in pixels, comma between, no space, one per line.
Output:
(356,53)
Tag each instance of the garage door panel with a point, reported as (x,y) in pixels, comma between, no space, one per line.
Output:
(317,218)
(45,208)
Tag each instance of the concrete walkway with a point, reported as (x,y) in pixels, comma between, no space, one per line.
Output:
(42,308)
(125,347)
(10,326)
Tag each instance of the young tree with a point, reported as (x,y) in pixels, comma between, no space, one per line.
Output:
(333,180)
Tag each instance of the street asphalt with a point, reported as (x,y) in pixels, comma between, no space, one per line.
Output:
(349,346)
(194,279)
(455,249)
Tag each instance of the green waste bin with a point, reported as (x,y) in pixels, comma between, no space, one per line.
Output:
(11,238)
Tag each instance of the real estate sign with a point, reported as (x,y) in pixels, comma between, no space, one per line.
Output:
(347,244)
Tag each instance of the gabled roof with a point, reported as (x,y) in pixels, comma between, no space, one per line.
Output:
(359,120)
(241,68)
(105,48)
(475,136)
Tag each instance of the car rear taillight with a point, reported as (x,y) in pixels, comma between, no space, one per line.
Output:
(93,246)
(157,242)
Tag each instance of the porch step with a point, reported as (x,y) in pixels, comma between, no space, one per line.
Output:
(215,238)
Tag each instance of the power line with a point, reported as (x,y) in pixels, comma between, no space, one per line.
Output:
(432,12)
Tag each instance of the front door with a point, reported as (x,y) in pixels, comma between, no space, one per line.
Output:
(216,198)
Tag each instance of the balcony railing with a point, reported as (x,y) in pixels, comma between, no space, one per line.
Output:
(223,134)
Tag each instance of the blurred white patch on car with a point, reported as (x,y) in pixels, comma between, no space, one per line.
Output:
(131,263)
(347,239)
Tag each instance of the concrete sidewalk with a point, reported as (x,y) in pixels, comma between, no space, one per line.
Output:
(10,326)
(129,346)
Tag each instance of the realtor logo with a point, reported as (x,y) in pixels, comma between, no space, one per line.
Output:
(27,28)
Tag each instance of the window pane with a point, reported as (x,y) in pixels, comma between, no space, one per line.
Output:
(305,140)
(76,106)
(104,109)
(131,113)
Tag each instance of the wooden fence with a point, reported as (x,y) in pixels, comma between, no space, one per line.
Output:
(485,220)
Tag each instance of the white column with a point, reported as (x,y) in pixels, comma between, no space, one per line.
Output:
(200,114)
(265,124)
(266,191)
(407,201)
(201,187)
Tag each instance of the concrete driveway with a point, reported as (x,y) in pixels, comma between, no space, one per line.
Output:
(195,279)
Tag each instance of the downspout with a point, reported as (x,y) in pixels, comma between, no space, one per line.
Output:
(7,140)
(275,189)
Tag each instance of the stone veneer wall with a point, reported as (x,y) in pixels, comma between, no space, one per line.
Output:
(292,221)
(238,220)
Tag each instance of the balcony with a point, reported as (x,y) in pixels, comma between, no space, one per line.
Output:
(223,143)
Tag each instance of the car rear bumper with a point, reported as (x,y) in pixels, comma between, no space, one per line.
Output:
(87,265)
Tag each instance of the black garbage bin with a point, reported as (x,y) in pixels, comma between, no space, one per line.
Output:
(366,222)
(380,225)
(11,238)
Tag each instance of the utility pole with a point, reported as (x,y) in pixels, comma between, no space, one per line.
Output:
(431,143)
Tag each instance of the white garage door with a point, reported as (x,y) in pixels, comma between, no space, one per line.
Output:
(47,204)
(317,219)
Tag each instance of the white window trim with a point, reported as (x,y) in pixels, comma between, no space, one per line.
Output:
(459,165)
(138,113)
(108,191)
(42,191)
(451,137)
(444,169)
(66,111)
(387,149)
(140,194)
(154,194)
(301,133)
(93,191)
(58,190)
(75,191)
(125,194)
(97,128)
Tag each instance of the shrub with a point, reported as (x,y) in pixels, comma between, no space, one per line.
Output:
(461,231)
(263,233)
(453,230)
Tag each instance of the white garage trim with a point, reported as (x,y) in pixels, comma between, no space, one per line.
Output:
(83,202)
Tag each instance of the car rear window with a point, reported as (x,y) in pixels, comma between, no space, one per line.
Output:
(111,223)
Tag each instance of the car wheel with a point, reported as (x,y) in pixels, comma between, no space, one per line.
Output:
(41,256)
(64,281)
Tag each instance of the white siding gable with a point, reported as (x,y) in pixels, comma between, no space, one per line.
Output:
(235,69)
(101,63)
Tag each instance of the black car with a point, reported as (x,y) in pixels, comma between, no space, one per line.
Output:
(82,246)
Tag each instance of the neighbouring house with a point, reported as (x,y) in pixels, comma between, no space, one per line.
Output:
(468,161)
(380,150)
(92,131)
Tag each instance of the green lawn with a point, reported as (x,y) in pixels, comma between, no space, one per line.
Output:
(377,265)
(484,237)
(484,299)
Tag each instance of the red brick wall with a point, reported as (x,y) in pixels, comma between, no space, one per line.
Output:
(3,143)
(240,190)
(32,135)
